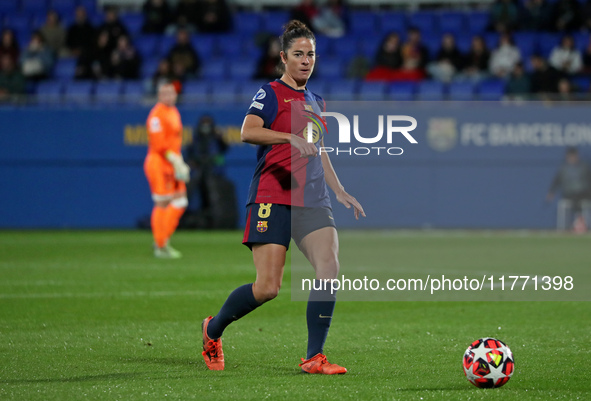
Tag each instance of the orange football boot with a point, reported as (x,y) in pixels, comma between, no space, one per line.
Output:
(212,349)
(319,364)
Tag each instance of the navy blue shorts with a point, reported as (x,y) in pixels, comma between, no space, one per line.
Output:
(268,223)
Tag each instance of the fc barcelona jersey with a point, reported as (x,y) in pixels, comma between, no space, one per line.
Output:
(281,175)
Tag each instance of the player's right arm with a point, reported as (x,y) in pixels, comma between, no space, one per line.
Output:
(160,143)
(254,132)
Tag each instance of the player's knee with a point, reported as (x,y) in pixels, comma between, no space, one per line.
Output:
(327,268)
(180,203)
(267,292)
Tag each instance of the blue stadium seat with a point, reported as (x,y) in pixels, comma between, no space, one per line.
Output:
(108,92)
(582,40)
(329,68)
(452,22)
(323,46)
(273,21)
(491,39)
(403,91)
(133,91)
(166,43)
(477,22)
(581,84)
(8,7)
(204,45)
(362,23)
(367,47)
(18,21)
(393,21)
(526,41)
(492,89)
(341,90)
(242,69)
(197,91)
(147,45)
(547,42)
(432,42)
(37,6)
(230,45)
(149,67)
(424,20)
(53,88)
(65,68)
(64,7)
(463,43)
(372,91)
(430,90)
(214,69)
(461,91)
(90,5)
(78,91)
(247,22)
(224,92)
(133,22)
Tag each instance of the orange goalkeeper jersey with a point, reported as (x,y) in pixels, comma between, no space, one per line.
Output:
(165,130)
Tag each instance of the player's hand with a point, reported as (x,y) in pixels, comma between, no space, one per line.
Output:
(181,169)
(348,201)
(306,148)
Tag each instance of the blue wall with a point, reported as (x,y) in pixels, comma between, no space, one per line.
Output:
(72,167)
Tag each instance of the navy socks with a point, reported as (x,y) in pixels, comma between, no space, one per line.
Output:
(239,303)
(319,316)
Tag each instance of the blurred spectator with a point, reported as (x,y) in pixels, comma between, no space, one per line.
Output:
(125,60)
(573,180)
(566,57)
(504,58)
(504,15)
(37,60)
(81,33)
(330,19)
(544,79)
(565,90)
(205,155)
(566,15)
(187,13)
(415,55)
(12,81)
(181,24)
(183,54)
(9,45)
(448,61)
(54,33)
(113,26)
(165,74)
(519,85)
(157,16)
(305,12)
(476,61)
(95,61)
(214,16)
(587,58)
(390,54)
(586,16)
(537,15)
(269,61)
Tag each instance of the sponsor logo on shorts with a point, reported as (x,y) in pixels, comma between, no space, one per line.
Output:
(262,226)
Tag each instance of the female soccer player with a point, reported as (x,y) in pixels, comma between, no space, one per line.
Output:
(288,198)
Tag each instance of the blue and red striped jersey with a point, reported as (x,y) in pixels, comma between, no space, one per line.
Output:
(281,175)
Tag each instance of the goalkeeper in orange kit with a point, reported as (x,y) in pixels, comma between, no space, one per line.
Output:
(166,170)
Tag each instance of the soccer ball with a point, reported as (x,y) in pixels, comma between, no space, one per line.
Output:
(488,363)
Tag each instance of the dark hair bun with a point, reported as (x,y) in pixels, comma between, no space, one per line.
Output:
(293,25)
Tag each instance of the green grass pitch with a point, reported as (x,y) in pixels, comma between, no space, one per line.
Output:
(92,315)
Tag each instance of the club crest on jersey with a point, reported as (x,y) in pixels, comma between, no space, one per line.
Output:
(262,226)
(308,107)
(260,94)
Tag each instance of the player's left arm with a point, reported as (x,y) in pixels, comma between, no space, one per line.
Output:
(333,182)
